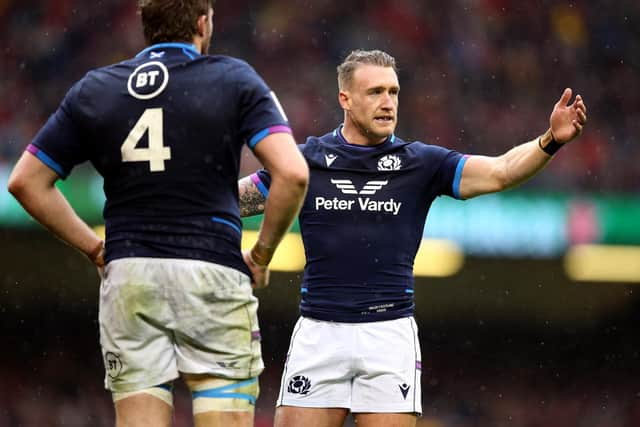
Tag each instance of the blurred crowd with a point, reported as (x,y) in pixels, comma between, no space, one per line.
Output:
(478,76)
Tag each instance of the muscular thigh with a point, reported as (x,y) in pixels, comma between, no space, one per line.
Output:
(387,420)
(292,416)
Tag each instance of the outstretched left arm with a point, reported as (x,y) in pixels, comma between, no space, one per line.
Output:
(483,174)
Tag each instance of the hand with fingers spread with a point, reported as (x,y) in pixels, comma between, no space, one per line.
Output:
(567,120)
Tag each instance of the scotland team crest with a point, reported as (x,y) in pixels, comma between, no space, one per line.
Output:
(390,162)
(299,385)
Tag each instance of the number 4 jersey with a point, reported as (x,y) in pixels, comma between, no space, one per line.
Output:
(165,130)
(363,220)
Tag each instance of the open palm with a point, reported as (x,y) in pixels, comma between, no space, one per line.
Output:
(567,119)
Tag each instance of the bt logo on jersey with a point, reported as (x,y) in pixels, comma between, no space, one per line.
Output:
(148,80)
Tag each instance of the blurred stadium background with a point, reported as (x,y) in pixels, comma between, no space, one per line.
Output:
(527,301)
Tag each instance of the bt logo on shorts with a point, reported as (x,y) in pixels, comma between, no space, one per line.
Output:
(299,385)
(113,364)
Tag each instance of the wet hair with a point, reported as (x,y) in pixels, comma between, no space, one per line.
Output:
(358,57)
(171,20)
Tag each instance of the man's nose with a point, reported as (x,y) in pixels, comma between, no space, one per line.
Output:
(387,101)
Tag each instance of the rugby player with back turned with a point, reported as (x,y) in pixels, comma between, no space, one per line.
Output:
(165,129)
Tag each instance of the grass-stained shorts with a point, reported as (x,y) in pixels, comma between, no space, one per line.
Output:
(159,317)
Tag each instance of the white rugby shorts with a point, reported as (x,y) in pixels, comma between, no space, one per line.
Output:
(159,317)
(365,367)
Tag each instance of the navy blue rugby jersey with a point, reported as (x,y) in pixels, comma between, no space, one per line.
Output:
(362,222)
(165,129)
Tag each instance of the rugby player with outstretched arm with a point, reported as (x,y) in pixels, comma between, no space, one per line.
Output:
(355,347)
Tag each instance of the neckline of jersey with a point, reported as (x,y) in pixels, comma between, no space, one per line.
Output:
(337,133)
(175,45)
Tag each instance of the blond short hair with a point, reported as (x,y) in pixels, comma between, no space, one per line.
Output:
(359,57)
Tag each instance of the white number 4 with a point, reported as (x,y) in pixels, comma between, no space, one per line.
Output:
(156,154)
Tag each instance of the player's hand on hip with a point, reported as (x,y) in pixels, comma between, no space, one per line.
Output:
(97,258)
(567,120)
(260,273)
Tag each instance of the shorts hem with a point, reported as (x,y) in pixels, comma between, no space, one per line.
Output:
(239,375)
(385,411)
(136,386)
(313,404)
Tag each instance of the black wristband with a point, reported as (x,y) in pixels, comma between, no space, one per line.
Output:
(551,148)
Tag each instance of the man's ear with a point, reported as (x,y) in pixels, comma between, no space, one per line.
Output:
(202,25)
(344,99)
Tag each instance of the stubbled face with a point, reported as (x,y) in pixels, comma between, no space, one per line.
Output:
(371,101)
(208,33)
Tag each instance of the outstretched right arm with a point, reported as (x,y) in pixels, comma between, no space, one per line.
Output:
(483,174)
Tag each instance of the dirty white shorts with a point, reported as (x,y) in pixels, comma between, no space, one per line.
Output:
(159,317)
(365,367)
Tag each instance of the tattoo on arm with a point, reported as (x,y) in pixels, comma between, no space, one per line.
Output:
(251,199)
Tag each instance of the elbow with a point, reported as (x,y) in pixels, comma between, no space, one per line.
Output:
(502,185)
(296,177)
(16,185)
(500,180)
(301,178)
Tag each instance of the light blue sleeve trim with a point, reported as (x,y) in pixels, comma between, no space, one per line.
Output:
(268,131)
(304,290)
(258,137)
(224,221)
(458,177)
(260,185)
(52,164)
(44,158)
(408,291)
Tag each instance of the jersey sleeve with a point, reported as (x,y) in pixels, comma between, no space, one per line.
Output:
(260,111)
(262,178)
(449,174)
(60,143)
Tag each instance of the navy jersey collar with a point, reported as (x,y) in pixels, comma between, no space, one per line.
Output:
(337,133)
(188,49)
